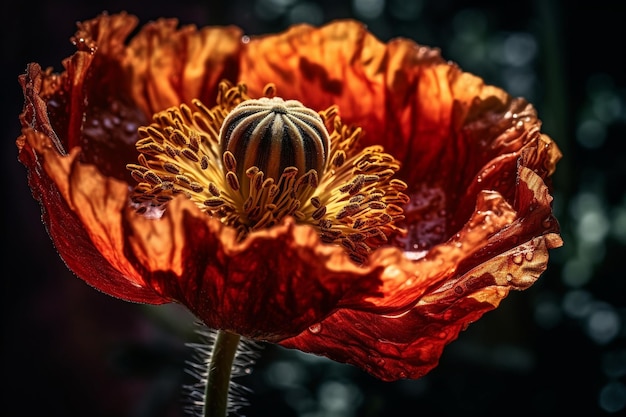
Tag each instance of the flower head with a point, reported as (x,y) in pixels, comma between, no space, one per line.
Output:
(315,188)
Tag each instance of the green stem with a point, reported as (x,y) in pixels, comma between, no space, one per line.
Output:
(218,377)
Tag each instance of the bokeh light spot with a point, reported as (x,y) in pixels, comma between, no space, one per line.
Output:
(339,398)
(368,9)
(271,9)
(607,105)
(593,227)
(306,12)
(613,397)
(577,303)
(603,324)
(520,81)
(284,374)
(577,272)
(519,49)
(591,133)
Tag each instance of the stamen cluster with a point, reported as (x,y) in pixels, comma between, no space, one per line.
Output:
(251,163)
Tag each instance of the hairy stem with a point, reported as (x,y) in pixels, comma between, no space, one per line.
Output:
(219,374)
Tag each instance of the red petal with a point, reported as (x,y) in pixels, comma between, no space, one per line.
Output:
(271,286)
(88,251)
(453,285)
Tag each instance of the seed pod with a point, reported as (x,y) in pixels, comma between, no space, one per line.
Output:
(273,134)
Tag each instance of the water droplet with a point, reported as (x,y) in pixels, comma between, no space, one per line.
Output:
(517,259)
(130,127)
(509,277)
(458,289)
(315,328)
(108,123)
(529,256)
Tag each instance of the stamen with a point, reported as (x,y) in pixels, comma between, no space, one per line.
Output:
(252,162)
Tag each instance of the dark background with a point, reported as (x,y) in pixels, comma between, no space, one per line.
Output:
(556,349)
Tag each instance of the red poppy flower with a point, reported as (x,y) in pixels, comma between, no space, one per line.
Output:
(409,201)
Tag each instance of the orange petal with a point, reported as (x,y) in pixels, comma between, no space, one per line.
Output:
(168,65)
(82,212)
(409,345)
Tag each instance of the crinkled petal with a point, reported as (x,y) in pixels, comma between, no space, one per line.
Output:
(408,345)
(342,63)
(168,65)
(82,211)
(269,287)
(453,285)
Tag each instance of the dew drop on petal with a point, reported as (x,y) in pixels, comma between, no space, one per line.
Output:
(517,259)
(315,328)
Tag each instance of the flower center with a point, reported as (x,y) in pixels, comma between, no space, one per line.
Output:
(252,162)
(273,135)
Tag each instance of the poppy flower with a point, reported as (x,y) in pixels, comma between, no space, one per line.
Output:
(316,188)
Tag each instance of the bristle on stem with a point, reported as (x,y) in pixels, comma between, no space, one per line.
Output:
(217,359)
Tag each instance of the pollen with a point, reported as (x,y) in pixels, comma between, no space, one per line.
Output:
(252,162)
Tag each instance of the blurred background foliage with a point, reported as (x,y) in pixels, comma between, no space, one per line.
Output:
(556,349)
